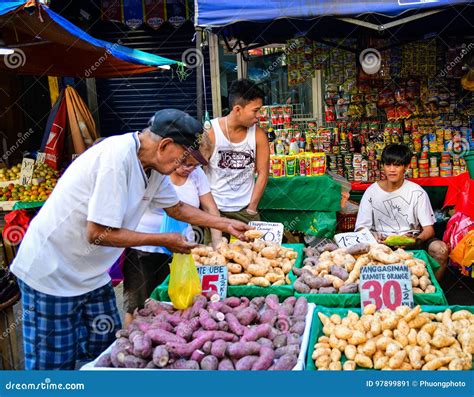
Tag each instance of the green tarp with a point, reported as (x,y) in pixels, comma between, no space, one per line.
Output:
(28,205)
(161,292)
(300,193)
(317,326)
(353,300)
(303,204)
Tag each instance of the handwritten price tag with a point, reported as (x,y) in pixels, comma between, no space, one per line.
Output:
(273,232)
(40,158)
(26,175)
(346,240)
(387,286)
(213,280)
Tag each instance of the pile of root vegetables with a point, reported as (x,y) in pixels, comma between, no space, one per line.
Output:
(337,270)
(233,334)
(404,339)
(257,263)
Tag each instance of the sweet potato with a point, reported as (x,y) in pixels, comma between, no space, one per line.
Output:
(222,326)
(162,325)
(133,335)
(184,364)
(280,341)
(117,357)
(219,307)
(258,302)
(234,324)
(244,303)
(226,365)
(206,348)
(186,349)
(245,363)
(301,307)
(104,361)
(256,332)
(219,348)
(247,316)
(186,329)
(206,321)
(160,356)
(301,287)
(160,337)
(327,290)
(232,301)
(265,360)
(351,288)
(124,344)
(209,363)
(339,272)
(269,316)
(298,327)
(293,339)
(198,355)
(272,302)
(122,333)
(227,336)
(241,349)
(283,323)
(285,363)
(134,362)
(288,349)
(142,346)
(265,342)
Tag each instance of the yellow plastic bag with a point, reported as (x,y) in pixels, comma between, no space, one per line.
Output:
(184,282)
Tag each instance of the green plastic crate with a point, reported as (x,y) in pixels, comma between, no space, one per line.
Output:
(161,292)
(317,326)
(353,300)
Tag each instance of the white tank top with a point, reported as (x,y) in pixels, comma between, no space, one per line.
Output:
(231,170)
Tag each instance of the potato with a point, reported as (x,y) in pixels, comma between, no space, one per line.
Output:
(369,309)
(342,332)
(436,363)
(369,348)
(349,366)
(412,337)
(278,283)
(423,338)
(440,341)
(414,355)
(357,338)
(323,362)
(253,234)
(424,282)
(320,352)
(258,270)
(363,361)
(234,268)
(259,281)
(417,290)
(461,315)
(392,349)
(400,338)
(335,354)
(269,252)
(430,289)
(350,352)
(412,313)
(396,361)
(418,270)
(238,279)
(381,362)
(418,322)
(335,366)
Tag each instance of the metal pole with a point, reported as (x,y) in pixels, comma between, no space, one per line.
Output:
(199,71)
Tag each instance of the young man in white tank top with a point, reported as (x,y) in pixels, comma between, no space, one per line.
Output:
(237,150)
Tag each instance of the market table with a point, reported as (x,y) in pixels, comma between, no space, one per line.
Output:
(305,204)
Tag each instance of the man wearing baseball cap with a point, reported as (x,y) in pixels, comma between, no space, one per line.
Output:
(83,228)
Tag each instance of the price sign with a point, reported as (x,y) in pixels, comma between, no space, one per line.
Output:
(386,286)
(272,232)
(345,240)
(213,280)
(40,158)
(26,175)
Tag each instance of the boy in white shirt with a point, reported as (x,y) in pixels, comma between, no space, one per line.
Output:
(396,206)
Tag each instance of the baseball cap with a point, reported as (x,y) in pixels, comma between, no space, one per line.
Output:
(181,127)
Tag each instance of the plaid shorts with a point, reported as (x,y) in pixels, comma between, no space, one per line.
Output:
(58,330)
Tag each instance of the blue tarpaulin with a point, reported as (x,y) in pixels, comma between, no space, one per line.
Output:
(212,13)
(46,43)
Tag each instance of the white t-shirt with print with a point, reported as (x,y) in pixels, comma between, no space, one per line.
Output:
(106,185)
(190,192)
(406,210)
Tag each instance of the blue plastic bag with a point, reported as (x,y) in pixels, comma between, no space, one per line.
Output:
(171,225)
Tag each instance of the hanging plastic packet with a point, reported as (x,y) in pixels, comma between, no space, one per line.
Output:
(171,225)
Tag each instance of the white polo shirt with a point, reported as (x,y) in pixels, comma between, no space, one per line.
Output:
(106,185)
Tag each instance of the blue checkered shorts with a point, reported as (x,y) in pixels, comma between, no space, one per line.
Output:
(57,330)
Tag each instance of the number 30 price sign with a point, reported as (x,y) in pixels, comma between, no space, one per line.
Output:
(386,286)
(213,280)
